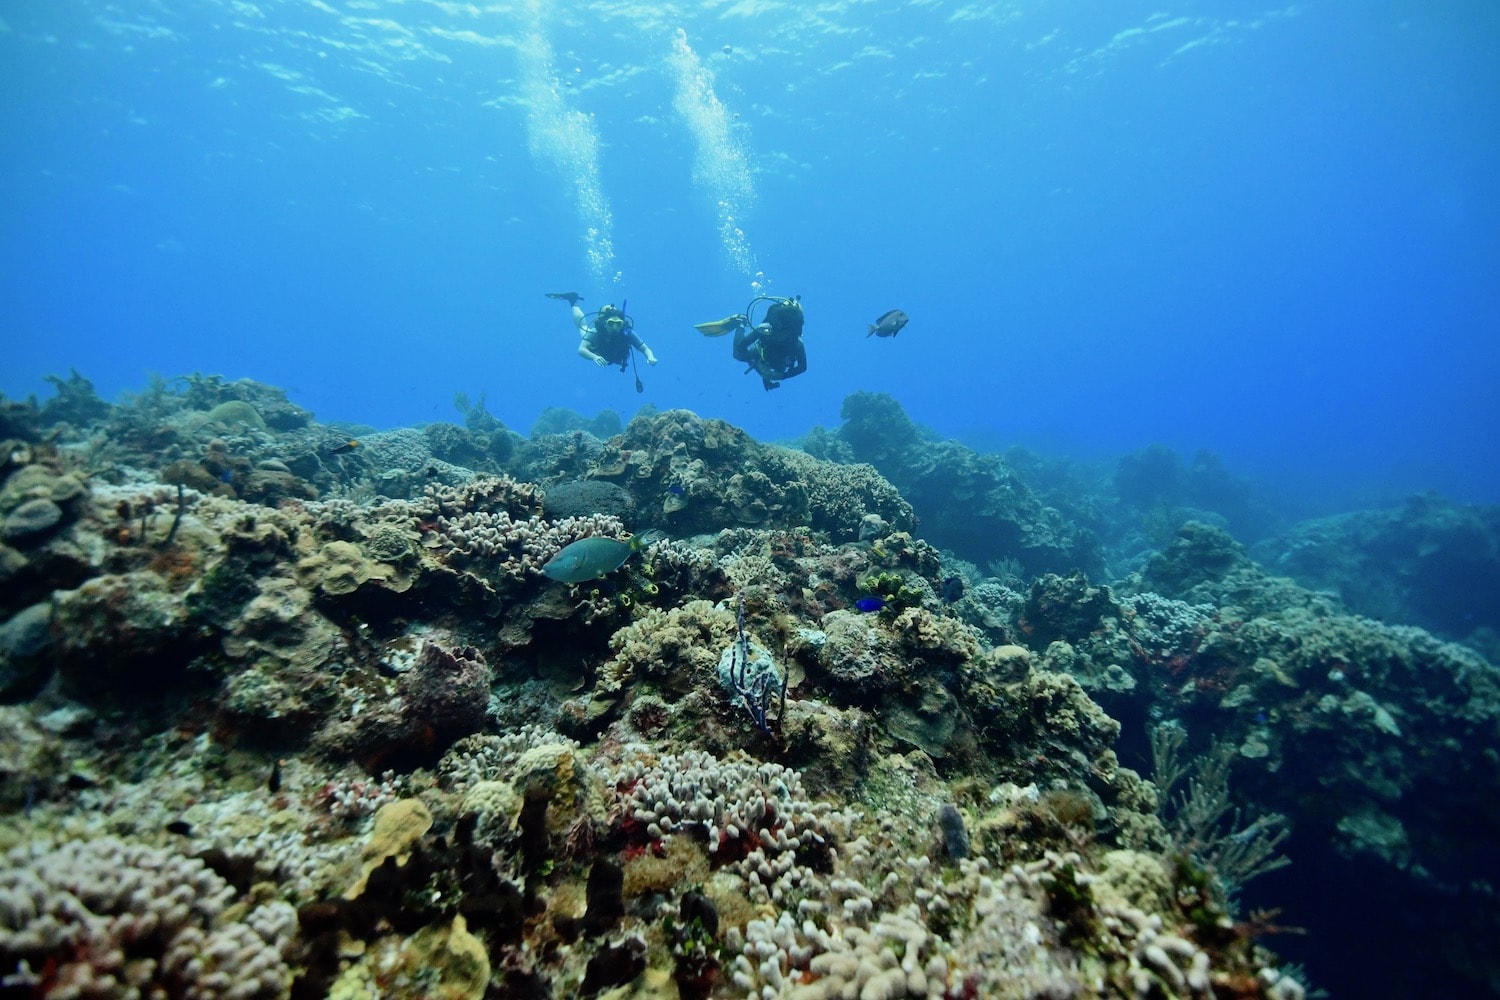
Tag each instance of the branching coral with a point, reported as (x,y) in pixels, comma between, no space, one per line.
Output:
(110,919)
(492,494)
(499,546)
(752,811)
(1235,852)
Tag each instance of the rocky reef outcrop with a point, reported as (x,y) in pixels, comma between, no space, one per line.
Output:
(1373,740)
(349,738)
(968,502)
(1426,562)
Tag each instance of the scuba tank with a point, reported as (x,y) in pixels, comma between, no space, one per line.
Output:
(782,314)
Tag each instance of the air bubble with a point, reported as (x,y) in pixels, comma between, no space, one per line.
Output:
(721,165)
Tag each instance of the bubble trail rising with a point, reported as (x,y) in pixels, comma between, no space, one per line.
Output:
(567,139)
(720,165)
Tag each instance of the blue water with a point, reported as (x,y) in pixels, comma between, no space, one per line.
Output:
(1270,232)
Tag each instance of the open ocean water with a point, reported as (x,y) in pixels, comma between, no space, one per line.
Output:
(1272,232)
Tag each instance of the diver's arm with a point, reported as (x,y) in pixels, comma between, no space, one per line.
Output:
(799,360)
(584,352)
(634,340)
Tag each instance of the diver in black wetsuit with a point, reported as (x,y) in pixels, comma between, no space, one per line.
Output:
(772,348)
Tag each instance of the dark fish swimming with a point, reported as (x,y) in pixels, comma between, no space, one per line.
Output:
(888,325)
(868,604)
(590,558)
(343,449)
(953,588)
(955,837)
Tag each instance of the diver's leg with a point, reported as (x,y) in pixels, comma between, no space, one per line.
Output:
(741,352)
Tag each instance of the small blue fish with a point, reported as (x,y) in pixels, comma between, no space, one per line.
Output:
(677,489)
(227,476)
(868,604)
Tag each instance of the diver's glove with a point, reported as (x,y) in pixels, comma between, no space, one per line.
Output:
(650,358)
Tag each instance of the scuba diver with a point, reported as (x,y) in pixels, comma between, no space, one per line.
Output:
(772,348)
(609,338)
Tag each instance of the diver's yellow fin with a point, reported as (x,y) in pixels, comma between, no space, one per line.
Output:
(719,327)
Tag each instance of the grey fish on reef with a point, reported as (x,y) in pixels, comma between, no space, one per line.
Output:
(955,837)
(888,325)
(590,558)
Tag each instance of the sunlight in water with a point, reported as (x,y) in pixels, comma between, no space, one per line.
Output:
(567,139)
(720,165)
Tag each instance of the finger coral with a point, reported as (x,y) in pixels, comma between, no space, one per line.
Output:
(112,919)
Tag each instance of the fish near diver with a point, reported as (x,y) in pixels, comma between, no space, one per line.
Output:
(889,324)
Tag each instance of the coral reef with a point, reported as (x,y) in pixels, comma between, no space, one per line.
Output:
(108,918)
(1427,562)
(693,476)
(292,711)
(968,502)
(1331,718)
